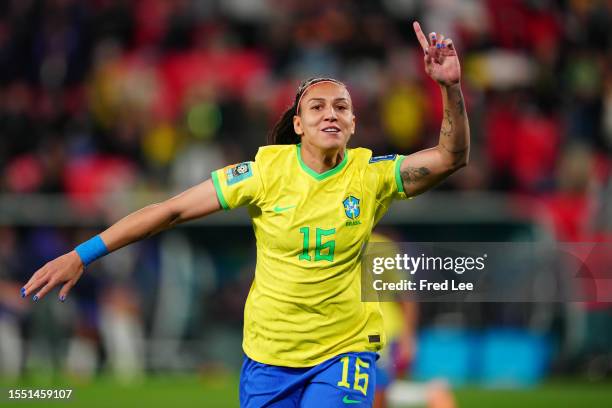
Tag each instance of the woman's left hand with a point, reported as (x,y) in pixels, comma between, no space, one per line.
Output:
(441,61)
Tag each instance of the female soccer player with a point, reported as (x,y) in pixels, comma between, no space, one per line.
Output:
(309,340)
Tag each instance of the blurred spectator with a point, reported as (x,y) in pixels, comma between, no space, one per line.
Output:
(162,77)
(12,311)
(106,96)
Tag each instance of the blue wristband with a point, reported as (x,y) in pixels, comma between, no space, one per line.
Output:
(91,250)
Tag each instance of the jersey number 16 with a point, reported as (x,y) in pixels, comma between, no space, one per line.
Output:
(323,251)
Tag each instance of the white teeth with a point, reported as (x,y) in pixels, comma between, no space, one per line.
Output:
(331,130)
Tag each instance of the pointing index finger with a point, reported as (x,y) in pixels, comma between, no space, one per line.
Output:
(420,36)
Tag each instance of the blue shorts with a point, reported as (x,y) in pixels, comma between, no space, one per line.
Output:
(345,380)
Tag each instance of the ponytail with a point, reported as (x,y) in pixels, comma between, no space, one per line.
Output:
(283,133)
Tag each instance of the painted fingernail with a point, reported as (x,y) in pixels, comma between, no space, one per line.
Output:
(23,292)
(62,298)
(35,298)
(438,45)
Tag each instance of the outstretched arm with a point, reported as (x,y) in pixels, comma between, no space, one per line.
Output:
(194,203)
(422,170)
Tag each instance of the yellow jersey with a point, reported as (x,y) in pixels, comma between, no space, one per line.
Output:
(304,306)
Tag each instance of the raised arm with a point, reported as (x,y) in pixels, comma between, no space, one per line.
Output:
(194,203)
(422,170)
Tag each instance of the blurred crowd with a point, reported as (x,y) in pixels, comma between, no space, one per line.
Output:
(101,96)
(156,93)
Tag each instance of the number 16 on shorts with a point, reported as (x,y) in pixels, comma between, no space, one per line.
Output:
(360,377)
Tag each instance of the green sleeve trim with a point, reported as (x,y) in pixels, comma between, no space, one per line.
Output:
(215,179)
(398,177)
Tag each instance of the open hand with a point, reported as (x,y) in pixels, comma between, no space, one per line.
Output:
(66,270)
(441,61)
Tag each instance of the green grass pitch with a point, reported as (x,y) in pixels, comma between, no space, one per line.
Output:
(222,391)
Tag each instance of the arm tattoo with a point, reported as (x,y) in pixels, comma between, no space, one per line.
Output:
(414,174)
(460,104)
(454,151)
(447,124)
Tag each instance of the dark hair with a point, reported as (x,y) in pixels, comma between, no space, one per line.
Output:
(282,132)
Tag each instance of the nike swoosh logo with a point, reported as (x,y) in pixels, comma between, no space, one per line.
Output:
(347,400)
(278,209)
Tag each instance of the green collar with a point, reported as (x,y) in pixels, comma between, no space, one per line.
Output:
(325,174)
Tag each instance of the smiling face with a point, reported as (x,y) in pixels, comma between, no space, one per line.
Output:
(325,118)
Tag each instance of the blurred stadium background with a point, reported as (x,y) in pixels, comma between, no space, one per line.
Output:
(109,105)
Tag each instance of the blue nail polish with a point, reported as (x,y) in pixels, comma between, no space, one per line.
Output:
(23,292)
(35,298)
(438,45)
(62,298)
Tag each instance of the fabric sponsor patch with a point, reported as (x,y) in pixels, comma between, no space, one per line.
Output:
(238,173)
(383,158)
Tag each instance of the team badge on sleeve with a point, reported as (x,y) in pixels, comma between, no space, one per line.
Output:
(382,158)
(238,173)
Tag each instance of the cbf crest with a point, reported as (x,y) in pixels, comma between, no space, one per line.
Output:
(352,210)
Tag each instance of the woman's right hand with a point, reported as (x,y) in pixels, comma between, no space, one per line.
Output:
(64,270)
